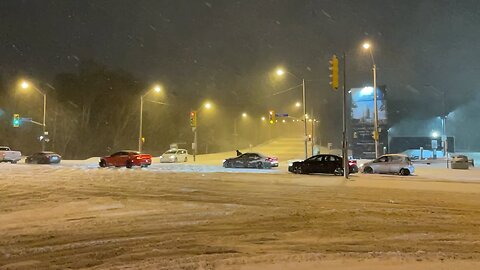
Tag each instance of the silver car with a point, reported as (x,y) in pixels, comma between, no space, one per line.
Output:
(174,156)
(396,164)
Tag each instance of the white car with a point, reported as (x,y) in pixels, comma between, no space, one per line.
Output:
(7,155)
(395,164)
(174,156)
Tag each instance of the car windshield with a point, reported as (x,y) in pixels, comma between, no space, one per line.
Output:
(170,152)
(4,149)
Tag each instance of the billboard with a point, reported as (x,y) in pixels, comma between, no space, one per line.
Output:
(362,121)
(363,106)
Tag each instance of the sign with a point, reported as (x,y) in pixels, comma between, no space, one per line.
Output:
(281,114)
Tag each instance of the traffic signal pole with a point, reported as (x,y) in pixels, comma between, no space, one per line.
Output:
(344,133)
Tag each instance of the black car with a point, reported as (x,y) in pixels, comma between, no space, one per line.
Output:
(249,160)
(330,164)
(43,158)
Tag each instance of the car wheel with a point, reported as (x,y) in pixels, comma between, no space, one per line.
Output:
(102,163)
(13,162)
(129,164)
(186,159)
(259,165)
(175,160)
(405,172)
(338,171)
(300,170)
(368,170)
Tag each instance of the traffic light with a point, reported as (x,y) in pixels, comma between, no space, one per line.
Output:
(334,72)
(16,120)
(193,118)
(271,117)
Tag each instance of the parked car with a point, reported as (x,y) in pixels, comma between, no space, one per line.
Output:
(7,155)
(461,162)
(174,155)
(392,163)
(352,164)
(250,160)
(44,158)
(323,163)
(127,159)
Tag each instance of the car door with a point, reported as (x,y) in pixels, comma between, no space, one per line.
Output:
(184,155)
(394,164)
(380,165)
(313,164)
(329,164)
(252,160)
(240,161)
(121,159)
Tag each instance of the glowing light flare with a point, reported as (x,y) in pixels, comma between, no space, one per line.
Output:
(157,88)
(24,84)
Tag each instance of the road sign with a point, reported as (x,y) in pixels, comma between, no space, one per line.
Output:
(281,114)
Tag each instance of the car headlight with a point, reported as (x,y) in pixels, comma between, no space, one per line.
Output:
(161,156)
(172,157)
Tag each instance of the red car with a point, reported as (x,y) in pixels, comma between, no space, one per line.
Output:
(127,159)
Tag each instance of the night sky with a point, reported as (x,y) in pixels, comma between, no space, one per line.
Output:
(205,47)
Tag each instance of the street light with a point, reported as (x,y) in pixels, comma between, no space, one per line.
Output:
(298,104)
(443,118)
(281,72)
(235,134)
(207,105)
(156,89)
(263,118)
(368,47)
(25,85)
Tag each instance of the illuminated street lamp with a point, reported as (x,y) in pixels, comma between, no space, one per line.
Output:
(25,85)
(281,72)
(298,104)
(368,47)
(235,134)
(263,118)
(156,89)
(207,106)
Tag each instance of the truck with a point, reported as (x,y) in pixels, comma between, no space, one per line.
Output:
(7,155)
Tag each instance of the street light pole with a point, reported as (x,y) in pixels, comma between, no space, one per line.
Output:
(304,118)
(281,72)
(44,119)
(157,89)
(375,107)
(25,85)
(140,130)
(368,47)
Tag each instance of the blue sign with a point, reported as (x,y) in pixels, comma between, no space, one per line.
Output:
(281,114)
